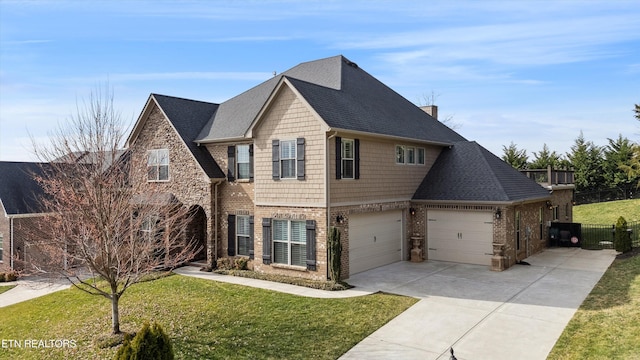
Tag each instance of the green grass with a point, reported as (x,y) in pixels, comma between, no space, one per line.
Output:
(607,325)
(607,212)
(5,288)
(204,319)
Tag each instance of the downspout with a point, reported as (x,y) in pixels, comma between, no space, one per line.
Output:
(327,192)
(11,245)
(215,223)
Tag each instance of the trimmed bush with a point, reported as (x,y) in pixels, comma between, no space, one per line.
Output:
(150,343)
(622,241)
(335,254)
(8,276)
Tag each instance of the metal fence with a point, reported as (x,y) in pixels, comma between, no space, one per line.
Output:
(597,236)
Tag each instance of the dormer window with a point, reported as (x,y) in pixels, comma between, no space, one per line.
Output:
(158,165)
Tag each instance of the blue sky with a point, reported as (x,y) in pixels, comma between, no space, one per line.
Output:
(528,72)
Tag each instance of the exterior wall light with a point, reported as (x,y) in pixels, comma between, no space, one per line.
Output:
(498,213)
(339,219)
(412,211)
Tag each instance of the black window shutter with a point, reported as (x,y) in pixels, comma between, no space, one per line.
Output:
(338,157)
(251,251)
(275,151)
(266,241)
(300,158)
(311,245)
(231,235)
(231,163)
(356,160)
(251,162)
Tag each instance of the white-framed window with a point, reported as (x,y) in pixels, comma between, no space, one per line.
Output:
(243,162)
(400,154)
(421,156)
(158,165)
(287,159)
(409,155)
(289,242)
(243,235)
(348,159)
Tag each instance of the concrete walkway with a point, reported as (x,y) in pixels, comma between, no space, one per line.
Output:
(31,288)
(515,314)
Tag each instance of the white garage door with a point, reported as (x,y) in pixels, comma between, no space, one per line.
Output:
(375,239)
(458,236)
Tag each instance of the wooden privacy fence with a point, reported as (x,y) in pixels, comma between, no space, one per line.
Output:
(598,236)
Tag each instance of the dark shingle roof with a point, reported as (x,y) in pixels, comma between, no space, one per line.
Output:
(469,172)
(19,191)
(344,95)
(189,117)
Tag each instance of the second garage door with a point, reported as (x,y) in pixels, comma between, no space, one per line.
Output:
(375,239)
(459,236)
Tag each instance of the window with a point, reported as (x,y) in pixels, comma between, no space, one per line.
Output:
(399,154)
(287,159)
(347,159)
(410,155)
(243,235)
(556,213)
(149,228)
(244,164)
(420,156)
(158,165)
(290,242)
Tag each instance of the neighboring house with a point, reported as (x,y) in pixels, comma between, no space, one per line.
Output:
(326,144)
(19,194)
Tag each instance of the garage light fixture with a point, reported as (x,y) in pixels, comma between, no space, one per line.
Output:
(339,219)
(498,213)
(412,211)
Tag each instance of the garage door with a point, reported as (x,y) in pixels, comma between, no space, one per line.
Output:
(375,239)
(458,236)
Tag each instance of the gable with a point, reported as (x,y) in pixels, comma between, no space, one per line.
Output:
(186,118)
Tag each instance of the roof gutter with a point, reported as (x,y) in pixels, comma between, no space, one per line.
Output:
(222,140)
(390,137)
(478,202)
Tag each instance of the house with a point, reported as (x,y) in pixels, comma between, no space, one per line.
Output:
(325,144)
(20,211)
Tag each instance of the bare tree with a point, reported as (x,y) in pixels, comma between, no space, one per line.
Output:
(430,99)
(104,232)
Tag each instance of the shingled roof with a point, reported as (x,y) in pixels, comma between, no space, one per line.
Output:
(19,192)
(188,117)
(345,96)
(468,172)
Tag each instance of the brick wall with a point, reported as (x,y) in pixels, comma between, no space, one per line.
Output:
(5,233)
(187,181)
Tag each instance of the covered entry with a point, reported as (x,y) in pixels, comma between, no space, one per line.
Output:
(460,236)
(375,239)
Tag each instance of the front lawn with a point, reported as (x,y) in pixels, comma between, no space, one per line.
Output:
(607,325)
(205,320)
(5,288)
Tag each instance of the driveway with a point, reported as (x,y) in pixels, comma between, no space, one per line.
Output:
(515,314)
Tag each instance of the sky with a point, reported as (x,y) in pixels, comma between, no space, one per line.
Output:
(523,72)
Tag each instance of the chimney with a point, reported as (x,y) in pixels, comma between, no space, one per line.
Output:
(431,110)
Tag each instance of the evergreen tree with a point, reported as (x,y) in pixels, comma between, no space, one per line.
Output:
(515,157)
(587,162)
(544,158)
(619,155)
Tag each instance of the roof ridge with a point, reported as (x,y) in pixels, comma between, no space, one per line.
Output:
(185,99)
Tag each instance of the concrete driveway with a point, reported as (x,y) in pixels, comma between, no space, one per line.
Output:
(515,314)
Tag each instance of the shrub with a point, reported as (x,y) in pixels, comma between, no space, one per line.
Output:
(241,263)
(224,264)
(335,253)
(151,343)
(622,241)
(8,276)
